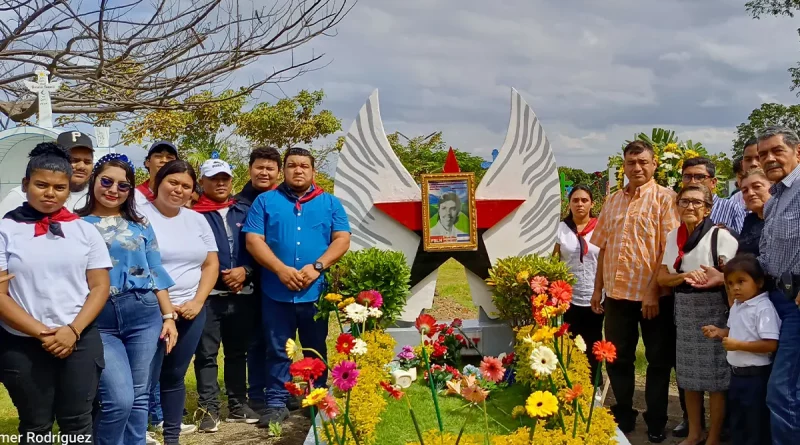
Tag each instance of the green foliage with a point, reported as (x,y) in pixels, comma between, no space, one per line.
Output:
(142,175)
(511,291)
(385,271)
(762,117)
(596,181)
(423,154)
(275,430)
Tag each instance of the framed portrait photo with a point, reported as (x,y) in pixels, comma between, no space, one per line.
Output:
(449,219)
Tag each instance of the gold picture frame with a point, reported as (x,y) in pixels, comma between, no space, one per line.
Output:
(449,234)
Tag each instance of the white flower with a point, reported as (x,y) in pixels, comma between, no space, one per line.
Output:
(375,312)
(359,347)
(671,182)
(580,343)
(543,361)
(666,167)
(357,312)
(670,155)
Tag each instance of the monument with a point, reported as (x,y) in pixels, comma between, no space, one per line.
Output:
(516,207)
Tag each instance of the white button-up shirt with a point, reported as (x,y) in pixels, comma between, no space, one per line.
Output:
(584,272)
(752,320)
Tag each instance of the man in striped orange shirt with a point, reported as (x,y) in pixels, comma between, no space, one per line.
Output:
(631,233)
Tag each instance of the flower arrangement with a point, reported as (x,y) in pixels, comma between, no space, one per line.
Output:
(362,312)
(407,358)
(517,281)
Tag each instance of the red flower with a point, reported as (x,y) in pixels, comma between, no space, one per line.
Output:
(294,389)
(426,324)
(561,292)
(307,369)
(345,343)
(394,392)
(604,350)
(439,350)
(562,330)
(492,369)
(457,323)
(460,338)
(508,360)
(452,371)
(449,331)
(574,393)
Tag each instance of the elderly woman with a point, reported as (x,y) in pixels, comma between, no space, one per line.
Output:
(755,192)
(701,363)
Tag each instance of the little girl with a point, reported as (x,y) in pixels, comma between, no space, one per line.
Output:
(751,338)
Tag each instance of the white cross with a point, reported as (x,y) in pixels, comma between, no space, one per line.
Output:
(42,87)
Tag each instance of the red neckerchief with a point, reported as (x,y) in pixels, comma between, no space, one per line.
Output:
(145,189)
(584,246)
(206,204)
(283,188)
(688,241)
(42,222)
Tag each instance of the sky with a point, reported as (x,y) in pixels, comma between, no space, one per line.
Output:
(594,72)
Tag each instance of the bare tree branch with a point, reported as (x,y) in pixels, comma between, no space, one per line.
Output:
(121,58)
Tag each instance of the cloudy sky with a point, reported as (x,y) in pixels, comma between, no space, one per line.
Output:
(594,72)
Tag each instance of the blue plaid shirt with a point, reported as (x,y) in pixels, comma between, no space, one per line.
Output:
(730,212)
(780,240)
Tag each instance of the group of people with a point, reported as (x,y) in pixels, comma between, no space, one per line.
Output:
(108,290)
(712,284)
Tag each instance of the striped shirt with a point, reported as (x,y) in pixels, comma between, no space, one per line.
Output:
(730,212)
(633,228)
(780,240)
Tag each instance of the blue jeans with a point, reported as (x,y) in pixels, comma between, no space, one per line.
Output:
(129,326)
(154,408)
(783,390)
(170,371)
(283,321)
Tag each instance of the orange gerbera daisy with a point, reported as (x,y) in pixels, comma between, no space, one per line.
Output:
(604,350)
(561,291)
(574,393)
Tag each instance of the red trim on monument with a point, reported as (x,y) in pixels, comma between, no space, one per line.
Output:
(451,163)
(407,213)
(492,211)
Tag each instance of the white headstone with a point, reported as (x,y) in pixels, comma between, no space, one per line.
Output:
(42,87)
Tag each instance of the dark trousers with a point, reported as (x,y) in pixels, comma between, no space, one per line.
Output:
(747,405)
(622,323)
(257,359)
(170,370)
(45,388)
(229,321)
(584,322)
(284,321)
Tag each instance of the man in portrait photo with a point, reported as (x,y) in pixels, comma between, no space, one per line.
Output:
(449,209)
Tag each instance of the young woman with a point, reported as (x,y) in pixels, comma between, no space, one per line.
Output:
(189,254)
(51,354)
(701,365)
(574,247)
(138,312)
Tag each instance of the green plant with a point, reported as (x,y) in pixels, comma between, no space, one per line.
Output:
(275,430)
(511,291)
(385,271)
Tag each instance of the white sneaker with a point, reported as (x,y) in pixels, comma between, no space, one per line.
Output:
(185,429)
(150,439)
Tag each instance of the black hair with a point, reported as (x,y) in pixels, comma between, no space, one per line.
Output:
(751,141)
(707,163)
(48,156)
(737,166)
(451,197)
(297,151)
(128,208)
(171,168)
(268,153)
(746,263)
(637,147)
(579,187)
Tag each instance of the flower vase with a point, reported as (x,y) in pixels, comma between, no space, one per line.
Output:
(403,378)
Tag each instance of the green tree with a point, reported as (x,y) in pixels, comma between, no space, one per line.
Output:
(426,154)
(758,8)
(764,116)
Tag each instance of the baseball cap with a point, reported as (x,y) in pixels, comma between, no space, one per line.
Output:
(214,167)
(160,146)
(72,139)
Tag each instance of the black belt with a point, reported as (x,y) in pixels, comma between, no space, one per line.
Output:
(788,284)
(751,371)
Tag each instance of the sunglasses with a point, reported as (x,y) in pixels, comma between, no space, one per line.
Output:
(123,187)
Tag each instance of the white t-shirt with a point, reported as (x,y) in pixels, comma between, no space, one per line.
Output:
(184,241)
(16,197)
(752,320)
(139,198)
(584,272)
(50,271)
(701,254)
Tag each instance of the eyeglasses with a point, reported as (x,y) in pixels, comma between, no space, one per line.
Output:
(694,203)
(123,187)
(699,177)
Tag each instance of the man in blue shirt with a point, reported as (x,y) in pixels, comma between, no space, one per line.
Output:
(295,233)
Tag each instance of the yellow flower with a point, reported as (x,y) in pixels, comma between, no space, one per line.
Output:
(294,351)
(672,146)
(548,312)
(522,277)
(333,298)
(689,154)
(315,397)
(539,404)
(518,410)
(540,300)
(544,334)
(347,302)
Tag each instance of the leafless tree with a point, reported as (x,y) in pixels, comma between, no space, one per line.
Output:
(117,58)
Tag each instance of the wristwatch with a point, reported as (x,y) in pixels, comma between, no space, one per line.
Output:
(172,316)
(319,267)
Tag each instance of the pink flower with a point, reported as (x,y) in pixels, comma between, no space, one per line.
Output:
(539,284)
(370,298)
(329,407)
(492,369)
(345,375)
